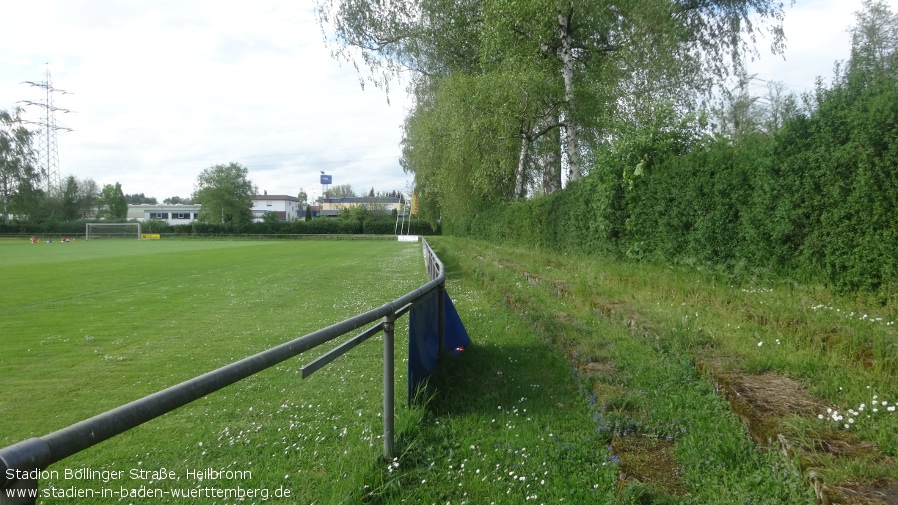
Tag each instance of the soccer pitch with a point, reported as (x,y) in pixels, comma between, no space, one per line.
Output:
(91,325)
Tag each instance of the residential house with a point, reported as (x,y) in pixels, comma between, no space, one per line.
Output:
(285,207)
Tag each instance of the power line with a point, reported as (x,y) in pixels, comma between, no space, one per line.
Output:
(48,151)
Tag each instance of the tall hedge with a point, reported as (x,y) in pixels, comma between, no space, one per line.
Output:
(817,200)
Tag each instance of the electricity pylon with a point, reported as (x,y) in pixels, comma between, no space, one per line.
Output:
(47,150)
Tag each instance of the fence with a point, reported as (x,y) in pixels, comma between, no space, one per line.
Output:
(20,463)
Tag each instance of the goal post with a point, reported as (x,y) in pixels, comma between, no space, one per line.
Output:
(111,230)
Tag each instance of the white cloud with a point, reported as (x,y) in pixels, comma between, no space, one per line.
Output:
(160,93)
(817,37)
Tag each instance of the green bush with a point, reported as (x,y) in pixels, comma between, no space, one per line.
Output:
(816,201)
(155,226)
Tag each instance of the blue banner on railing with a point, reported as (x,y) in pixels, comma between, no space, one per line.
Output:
(424,339)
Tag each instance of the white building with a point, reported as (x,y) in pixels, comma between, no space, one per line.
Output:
(285,207)
(171,214)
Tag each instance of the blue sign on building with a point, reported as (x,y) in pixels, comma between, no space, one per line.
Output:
(325,179)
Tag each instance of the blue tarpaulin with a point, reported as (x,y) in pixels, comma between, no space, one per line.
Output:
(424,339)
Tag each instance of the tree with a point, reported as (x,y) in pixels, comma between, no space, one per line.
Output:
(546,77)
(225,194)
(113,200)
(88,198)
(77,199)
(70,200)
(669,47)
(139,198)
(874,39)
(270,219)
(780,105)
(16,159)
(740,113)
(30,202)
(465,144)
(430,38)
(342,191)
(177,200)
(303,197)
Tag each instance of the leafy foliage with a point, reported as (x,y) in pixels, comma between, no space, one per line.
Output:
(804,189)
(114,201)
(506,90)
(139,198)
(341,191)
(225,194)
(177,200)
(17,171)
(816,200)
(77,199)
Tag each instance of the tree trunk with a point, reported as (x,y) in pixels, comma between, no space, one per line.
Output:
(520,187)
(549,161)
(6,193)
(567,71)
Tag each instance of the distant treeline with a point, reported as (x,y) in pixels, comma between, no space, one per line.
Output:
(315,226)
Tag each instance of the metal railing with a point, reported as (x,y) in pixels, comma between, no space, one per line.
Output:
(24,459)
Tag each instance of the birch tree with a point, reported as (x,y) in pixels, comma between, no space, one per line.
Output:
(874,38)
(605,51)
(16,159)
(591,56)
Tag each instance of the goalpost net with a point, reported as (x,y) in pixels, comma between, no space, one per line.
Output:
(112,230)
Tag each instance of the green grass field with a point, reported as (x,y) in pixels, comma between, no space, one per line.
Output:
(588,381)
(91,325)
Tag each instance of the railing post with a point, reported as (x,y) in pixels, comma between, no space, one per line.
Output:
(389,394)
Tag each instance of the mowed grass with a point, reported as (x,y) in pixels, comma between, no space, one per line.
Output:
(587,381)
(91,325)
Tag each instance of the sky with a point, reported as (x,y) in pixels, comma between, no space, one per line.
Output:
(161,90)
(816,38)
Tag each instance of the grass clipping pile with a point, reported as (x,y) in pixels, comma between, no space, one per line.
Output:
(764,401)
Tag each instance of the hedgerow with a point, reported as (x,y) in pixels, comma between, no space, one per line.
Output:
(816,200)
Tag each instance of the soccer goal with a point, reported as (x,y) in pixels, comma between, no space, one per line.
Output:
(111,230)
